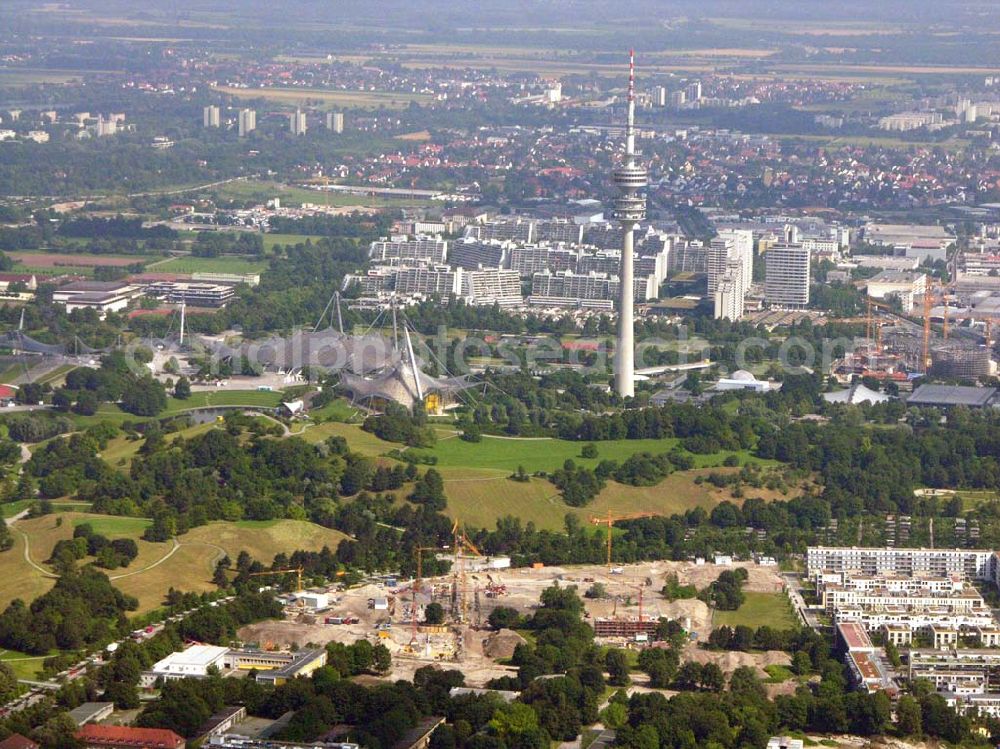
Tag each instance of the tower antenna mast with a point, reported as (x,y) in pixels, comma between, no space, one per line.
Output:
(629,210)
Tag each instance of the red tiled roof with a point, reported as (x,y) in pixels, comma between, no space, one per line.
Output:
(148,738)
(17,741)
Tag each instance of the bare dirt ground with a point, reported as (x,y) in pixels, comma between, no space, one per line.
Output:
(461,646)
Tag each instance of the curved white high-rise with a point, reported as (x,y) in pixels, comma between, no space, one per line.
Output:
(630,209)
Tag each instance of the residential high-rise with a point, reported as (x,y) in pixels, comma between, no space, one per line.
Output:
(742,249)
(629,210)
(730,292)
(660,96)
(297,122)
(335,121)
(247,122)
(211,116)
(786,281)
(693,91)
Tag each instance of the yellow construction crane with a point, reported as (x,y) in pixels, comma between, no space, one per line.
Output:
(462,544)
(297,570)
(419,550)
(609,520)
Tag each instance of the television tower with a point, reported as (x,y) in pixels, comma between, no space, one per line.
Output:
(630,209)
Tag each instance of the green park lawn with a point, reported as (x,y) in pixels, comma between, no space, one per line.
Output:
(771,609)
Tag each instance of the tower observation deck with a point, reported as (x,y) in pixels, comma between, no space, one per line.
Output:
(629,209)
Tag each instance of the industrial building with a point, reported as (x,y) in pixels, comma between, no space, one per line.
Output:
(947,396)
(898,284)
(192,663)
(276,667)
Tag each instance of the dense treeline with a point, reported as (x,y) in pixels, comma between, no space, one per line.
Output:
(118,227)
(82,608)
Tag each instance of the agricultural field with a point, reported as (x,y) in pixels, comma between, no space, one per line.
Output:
(211,265)
(55,263)
(772,609)
(361,99)
(187,565)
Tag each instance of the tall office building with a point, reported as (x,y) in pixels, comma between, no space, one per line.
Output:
(786,282)
(335,121)
(247,122)
(211,116)
(630,209)
(693,91)
(297,122)
(660,96)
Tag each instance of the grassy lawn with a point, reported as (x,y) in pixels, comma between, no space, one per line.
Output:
(759,608)
(778,674)
(114,526)
(159,566)
(10,509)
(336,410)
(211,265)
(270,240)
(121,450)
(220,397)
(25,666)
(548,454)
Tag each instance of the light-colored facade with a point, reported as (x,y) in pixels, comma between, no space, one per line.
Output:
(492,286)
(787,278)
(211,116)
(973,564)
(247,122)
(429,249)
(335,122)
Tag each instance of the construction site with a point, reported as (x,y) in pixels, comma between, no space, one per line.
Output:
(945,336)
(624,612)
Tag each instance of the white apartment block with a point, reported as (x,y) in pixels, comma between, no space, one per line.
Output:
(472,254)
(247,122)
(428,280)
(492,286)
(428,249)
(728,299)
(211,116)
(786,283)
(973,564)
(961,671)
(536,259)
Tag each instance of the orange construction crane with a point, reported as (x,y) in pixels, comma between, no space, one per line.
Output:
(609,520)
(297,570)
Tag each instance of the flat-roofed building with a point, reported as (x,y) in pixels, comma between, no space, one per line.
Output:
(429,280)
(194,662)
(429,249)
(488,286)
(973,564)
(276,667)
(471,254)
(193,293)
(946,396)
(786,282)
